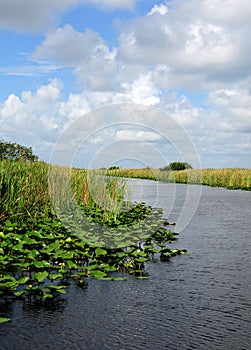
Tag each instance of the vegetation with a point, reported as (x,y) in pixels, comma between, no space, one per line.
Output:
(113,168)
(232,178)
(177,166)
(45,243)
(14,151)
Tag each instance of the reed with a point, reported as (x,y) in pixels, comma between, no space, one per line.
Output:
(23,189)
(235,178)
(29,189)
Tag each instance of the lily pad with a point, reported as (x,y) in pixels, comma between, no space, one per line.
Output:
(40,276)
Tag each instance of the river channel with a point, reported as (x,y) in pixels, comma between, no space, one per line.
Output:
(201,300)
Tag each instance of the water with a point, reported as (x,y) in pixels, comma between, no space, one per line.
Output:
(196,301)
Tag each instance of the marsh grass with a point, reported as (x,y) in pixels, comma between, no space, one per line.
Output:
(28,189)
(39,254)
(232,178)
(23,190)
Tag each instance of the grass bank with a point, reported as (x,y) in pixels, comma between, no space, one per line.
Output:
(232,178)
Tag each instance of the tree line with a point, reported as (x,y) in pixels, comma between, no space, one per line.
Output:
(14,151)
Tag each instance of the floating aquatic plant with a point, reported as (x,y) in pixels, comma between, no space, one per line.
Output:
(39,255)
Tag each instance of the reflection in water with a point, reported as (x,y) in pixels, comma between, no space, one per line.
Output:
(195,301)
(49,306)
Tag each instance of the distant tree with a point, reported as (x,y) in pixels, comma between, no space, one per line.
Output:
(177,166)
(14,151)
(113,168)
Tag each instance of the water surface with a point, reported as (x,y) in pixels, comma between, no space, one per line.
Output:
(196,301)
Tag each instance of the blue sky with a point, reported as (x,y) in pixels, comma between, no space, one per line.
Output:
(191,60)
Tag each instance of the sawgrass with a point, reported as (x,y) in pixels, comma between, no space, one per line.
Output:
(233,178)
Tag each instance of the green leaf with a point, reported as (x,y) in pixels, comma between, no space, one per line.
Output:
(4,319)
(99,251)
(38,264)
(141,260)
(106,278)
(120,279)
(40,276)
(98,274)
(54,246)
(110,268)
(23,280)
(19,294)
(7,278)
(54,276)
(65,255)
(72,265)
(92,267)
(59,289)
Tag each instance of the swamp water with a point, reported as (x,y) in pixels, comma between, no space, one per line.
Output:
(197,301)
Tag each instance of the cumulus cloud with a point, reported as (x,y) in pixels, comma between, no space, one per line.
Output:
(182,110)
(233,109)
(32,113)
(137,135)
(142,90)
(161,9)
(41,116)
(191,42)
(91,58)
(188,45)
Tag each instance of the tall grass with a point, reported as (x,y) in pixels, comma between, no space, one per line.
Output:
(235,178)
(29,189)
(23,190)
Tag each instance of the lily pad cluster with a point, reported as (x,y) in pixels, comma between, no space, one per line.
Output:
(38,259)
(69,227)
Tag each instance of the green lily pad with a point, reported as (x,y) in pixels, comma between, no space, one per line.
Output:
(23,280)
(110,268)
(20,293)
(54,276)
(141,260)
(98,274)
(120,279)
(40,276)
(100,251)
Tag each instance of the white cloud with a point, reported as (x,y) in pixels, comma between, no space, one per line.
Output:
(227,11)
(73,108)
(93,61)
(32,118)
(31,15)
(161,9)
(233,109)
(112,4)
(146,136)
(184,46)
(41,116)
(196,47)
(142,91)
(182,110)
(39,15)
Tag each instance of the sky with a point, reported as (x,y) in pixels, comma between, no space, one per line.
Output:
(134,83)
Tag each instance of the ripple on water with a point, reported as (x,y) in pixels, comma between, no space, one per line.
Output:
(197,301)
